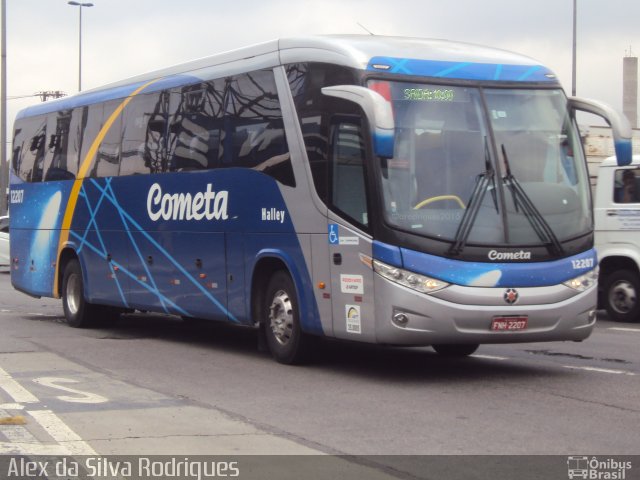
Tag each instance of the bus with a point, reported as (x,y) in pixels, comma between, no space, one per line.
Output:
(389,190)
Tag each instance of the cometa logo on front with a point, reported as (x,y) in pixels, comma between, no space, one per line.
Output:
(521,255)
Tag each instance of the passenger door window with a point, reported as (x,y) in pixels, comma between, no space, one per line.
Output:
(348,185)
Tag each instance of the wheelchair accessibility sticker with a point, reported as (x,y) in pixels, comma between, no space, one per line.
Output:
(334,235)
(336,239)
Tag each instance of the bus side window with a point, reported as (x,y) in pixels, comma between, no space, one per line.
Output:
(256,136)
(56,161)
(195,124)
(144,127)
(33,149)
(17,151)
(73,141)
(28,148)
(107,161)
(348,191)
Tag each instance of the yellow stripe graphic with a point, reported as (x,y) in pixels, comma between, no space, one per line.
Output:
(77,184)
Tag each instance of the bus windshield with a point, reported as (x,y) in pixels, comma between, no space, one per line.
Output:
(511,155)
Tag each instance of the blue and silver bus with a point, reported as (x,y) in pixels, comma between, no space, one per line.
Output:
(387,190)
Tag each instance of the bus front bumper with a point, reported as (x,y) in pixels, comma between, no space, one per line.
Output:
(470,315)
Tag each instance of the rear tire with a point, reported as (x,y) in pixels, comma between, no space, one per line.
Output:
(455,350)
(78,312)
(286,341)
(620,296)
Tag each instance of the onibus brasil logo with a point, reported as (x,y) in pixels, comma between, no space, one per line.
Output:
(597,468)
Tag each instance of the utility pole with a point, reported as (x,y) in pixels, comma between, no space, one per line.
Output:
(44,96)
(4,164)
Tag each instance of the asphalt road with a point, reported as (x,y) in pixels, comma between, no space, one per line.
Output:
(158,385)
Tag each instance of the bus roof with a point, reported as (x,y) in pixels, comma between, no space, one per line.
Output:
(399,55)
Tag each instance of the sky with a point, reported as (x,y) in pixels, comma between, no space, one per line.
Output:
(122,38)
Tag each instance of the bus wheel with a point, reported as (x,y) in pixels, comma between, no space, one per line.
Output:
(281,321)
(78,312)
(621,290)
(455,350)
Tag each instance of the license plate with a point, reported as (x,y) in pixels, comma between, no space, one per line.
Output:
(509,324)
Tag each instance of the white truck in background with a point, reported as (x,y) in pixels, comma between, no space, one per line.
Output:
(617,238)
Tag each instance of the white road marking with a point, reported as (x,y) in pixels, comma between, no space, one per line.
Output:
(573,367)
(11,406)
(81,396)
(23,442)
(19,434)
(600,370)
(625,329)
(61,433)
(10,448)
(489,357)
(15,390)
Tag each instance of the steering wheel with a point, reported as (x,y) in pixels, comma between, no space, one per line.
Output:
(439,198)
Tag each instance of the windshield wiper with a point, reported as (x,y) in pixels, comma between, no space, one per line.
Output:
(475,201)
(533,215)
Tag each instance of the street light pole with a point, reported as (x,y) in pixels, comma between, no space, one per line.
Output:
(80,5)
(573,76)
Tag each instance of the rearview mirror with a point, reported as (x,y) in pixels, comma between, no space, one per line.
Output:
(620,127)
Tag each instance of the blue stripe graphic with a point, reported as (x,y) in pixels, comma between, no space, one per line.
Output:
(463,70)
(130,225)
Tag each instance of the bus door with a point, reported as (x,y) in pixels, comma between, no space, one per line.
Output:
(351,278)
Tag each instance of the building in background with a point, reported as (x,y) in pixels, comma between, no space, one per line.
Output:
(630,89)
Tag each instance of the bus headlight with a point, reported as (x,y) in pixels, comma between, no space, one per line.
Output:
(584,281)
(415,281)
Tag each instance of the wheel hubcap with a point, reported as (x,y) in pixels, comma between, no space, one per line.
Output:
(622,297)
(74,288)
(281,317)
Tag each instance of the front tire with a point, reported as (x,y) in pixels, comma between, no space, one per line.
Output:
(621,290)
(78,312)
(287,342)
(455,350)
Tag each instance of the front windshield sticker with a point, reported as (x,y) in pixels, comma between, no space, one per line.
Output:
(429,95)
